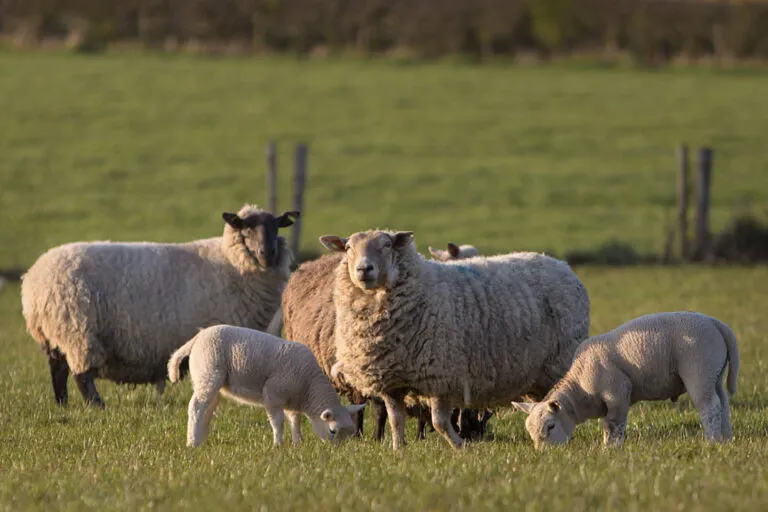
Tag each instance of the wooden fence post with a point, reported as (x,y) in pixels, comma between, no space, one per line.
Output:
(702,203)
(272,177)
(682,200)
(299,177)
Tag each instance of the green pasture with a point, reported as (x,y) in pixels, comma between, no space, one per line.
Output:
(136,147)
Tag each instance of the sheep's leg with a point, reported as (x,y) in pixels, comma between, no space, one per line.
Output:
(59,375)
(199,417)
(725,412)
(160,387)
(359,417)
(441,419)
(294,422)
(711,416)
(381,419)
(396,413)
(423,419)
(615,424)
(87,387)
(276,417)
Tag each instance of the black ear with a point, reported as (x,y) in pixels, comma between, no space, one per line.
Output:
(402,238)
(334,243)
(453,250)
(233,220)
(285,220)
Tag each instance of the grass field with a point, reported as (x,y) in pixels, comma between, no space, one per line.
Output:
(138,147)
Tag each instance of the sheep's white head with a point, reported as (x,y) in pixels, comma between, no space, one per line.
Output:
(547,422)
(336,424)
(371,256)
(454,252)
(257,231)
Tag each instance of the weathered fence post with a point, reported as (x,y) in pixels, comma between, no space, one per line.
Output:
(272,177)
(702,203)
(299,177)
(682,200)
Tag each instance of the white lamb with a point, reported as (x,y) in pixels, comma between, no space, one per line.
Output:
(469,333)
(653,357)
(454,252)
(256,368)
(119,310)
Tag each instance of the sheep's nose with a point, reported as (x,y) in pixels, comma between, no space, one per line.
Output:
(365,268)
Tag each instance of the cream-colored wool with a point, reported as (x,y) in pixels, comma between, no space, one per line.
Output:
(471,333)
(653,357)
(121,309)
(256,368)
(454,252)
(308,316)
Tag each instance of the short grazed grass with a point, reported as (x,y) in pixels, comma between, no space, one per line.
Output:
(130,147)
(132,455)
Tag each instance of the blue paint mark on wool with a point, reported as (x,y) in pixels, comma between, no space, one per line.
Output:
(470,270)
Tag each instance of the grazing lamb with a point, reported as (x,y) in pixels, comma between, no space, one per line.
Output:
(308,316)
(256,368)
(454,252)
(471,333)
(119,310)
(653,357)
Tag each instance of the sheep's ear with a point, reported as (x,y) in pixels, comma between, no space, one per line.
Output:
(434,252)
(336,370)
(285,219)
(233,220)
(553,405)
(334,243)
(327,415)
(523,406)
(355,408)
(453,250)
(402,238)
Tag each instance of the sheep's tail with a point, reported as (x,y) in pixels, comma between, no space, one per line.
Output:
(175,373)
(275,327)
(731,346)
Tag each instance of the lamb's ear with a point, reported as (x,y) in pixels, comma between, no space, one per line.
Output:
(233,220)
(334,243)
(327,415)
(523,406)
(434,252)
(553,405)
(285,219)
(402,238)
(355,408)
(453,250)
(336,370)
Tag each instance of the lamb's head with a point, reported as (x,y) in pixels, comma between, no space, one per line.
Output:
(335,424)
(454,252)
(371,256)
(547,422)
(256,231)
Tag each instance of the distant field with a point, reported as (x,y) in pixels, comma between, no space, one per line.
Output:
(154,148)
(132,455)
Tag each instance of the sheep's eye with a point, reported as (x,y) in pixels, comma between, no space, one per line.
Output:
(387,244)
(550,427)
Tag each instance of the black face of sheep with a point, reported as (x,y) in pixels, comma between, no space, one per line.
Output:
(370,255)
(259,235)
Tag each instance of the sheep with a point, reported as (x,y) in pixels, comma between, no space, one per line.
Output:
(119,310)
(653,357)
(308,316)
(256,368)
(454,252)
(476,332)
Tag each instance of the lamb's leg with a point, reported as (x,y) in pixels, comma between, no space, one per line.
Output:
(294,422)
(381,419)
(396,413)
(359,418)
(725,412)
(441,419)
(615,424)
(59,375)
(87,387)
(198,419)
(276,417)
(422,429)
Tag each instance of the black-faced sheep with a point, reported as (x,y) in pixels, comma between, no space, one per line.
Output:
(119,310)
(472,333)
(653,357)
